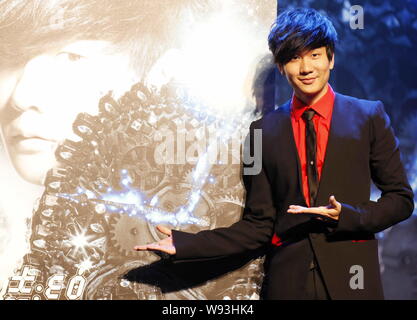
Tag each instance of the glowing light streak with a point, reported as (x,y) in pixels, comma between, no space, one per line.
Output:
(84,265)
(80,240)
(132,202)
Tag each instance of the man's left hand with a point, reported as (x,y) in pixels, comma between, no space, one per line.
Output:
(331,211)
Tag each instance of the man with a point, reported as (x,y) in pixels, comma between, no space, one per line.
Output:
(58,58)
(311,199)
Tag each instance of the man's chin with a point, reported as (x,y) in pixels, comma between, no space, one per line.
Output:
(311,91)
(33,168)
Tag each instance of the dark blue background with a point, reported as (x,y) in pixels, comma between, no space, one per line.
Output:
(379,62)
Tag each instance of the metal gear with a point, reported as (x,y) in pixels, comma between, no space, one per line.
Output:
(172,198)
(127,232)
(88,192)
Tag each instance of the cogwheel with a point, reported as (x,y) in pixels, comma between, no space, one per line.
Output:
(127,232)
(111,283)
(228,209)
(188,176)
(145,172)
(173,198)
(230,199)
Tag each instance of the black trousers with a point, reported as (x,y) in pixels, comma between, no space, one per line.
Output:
(315,288)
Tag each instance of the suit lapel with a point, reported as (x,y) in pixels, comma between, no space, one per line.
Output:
(288,134)
(327,175)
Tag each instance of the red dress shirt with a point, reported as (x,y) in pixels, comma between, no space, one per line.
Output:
(322,119)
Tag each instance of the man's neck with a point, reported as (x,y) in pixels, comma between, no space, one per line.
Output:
(310,100)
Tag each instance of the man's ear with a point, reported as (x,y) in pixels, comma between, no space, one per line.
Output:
(332,62)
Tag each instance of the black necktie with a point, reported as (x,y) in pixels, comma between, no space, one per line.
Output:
(311,146)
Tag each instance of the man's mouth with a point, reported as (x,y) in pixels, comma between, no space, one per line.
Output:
(31,144)
(307,80)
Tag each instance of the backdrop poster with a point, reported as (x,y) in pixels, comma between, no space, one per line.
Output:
(117,116)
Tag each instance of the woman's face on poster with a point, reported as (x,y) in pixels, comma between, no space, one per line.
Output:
(40,100)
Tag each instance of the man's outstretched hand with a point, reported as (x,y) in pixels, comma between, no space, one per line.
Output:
(165,245)
(332,211)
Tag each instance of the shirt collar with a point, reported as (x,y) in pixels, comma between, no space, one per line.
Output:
(323,107)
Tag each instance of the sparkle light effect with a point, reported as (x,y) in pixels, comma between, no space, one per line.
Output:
(84,265)
(79,240)
(132,202)
(228,73)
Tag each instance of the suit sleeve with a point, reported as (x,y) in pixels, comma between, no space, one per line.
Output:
(251,232)
(396,202)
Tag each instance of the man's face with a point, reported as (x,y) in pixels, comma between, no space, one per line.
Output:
(308,74)
(40,100)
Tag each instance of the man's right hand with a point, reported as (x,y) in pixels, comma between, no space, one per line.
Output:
(165,245)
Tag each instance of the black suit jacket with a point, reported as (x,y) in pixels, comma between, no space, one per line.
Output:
(361,147)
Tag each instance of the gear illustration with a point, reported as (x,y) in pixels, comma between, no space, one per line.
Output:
(109,283)
(126,232)
(111,189)
(172,198)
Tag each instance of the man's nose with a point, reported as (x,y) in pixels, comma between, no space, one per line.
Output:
(34,82)
(306,66)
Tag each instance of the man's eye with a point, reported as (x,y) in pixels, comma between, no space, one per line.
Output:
(295,57)
(70,56)
(315,55)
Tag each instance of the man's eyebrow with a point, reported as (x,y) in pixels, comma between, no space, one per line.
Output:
(86,46)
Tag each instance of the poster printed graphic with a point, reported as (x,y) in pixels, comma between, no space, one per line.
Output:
(117,116)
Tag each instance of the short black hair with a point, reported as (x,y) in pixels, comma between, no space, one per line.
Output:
(300,29)
(143,28)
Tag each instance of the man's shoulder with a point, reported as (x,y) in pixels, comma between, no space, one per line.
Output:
(274,116)
(352,104)
(357,104)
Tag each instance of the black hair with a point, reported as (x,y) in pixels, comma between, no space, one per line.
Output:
(300,29)
(143,28)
